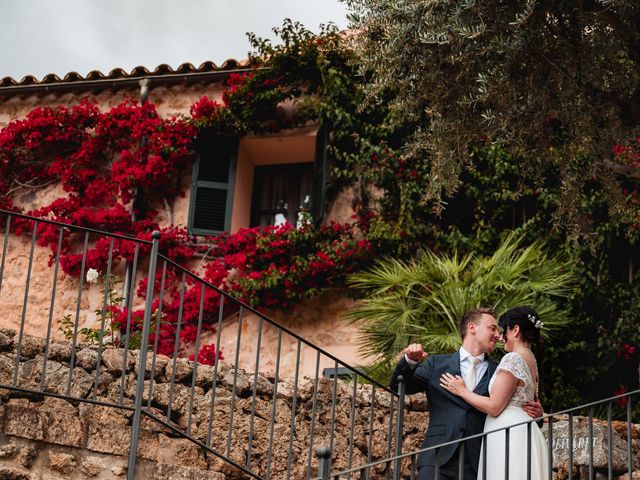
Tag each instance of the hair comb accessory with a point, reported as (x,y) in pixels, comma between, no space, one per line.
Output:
(536,322)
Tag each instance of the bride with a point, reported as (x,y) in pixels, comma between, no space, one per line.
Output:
(514,383)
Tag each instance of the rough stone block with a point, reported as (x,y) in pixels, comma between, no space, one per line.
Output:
(7,365)
(53,420)
(60,351)
(581,442)
(28,454)
(92,466)
(107,429)
(158,368)
(180,472)
(162,396)
(87,358)
(9,451)
(56,377)
(61,462)
(118,470)
(13,474)
(183,370)
(263,385)
(114,359)
(23,420)
(204,376)
(6,341)
(32,346)
(241,380)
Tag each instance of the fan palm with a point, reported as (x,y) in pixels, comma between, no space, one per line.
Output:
(422,300)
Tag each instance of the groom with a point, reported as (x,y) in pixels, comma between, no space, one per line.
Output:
(450,417)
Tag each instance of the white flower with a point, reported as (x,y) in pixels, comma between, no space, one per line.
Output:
(92,275)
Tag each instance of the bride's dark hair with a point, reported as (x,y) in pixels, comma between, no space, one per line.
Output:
(527,319)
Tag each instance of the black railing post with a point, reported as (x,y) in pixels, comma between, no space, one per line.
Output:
(570,434)
(550,448)
(629,444)
(461,456)
(142,357)
(609,442)
(399,427)
(324,461)
(591,472)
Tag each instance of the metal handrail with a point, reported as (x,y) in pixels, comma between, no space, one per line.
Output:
(200,435)
(74,227)
(397,459)
(279,326)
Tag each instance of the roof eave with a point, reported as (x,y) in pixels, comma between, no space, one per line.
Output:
(155,80)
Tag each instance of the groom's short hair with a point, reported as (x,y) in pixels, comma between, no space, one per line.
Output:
(473,316)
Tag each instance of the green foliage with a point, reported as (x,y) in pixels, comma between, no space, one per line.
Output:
(422,300)
(320,75)
(451,187)
(582,363)
(558,81)
(88,335)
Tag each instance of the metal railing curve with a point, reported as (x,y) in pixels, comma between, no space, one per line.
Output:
(176,400)
(404,465)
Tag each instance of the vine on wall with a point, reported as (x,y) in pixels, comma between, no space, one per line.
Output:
(104,165)
(117,166)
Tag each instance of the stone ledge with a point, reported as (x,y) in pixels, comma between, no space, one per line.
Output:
(60,426)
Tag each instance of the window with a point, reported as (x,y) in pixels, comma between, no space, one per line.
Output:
(258,180)
(211,189)
(282,193)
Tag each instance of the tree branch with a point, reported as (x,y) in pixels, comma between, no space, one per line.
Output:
(620,169)
(618,26)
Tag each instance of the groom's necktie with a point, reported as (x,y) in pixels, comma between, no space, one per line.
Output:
(470,377)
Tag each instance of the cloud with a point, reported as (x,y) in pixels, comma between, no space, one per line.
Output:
(40,36)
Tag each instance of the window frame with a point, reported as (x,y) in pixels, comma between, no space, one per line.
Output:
(256,213)
(196,183)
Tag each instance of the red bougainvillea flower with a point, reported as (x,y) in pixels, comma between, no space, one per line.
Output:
(621,390)
(207,355)
(626,351)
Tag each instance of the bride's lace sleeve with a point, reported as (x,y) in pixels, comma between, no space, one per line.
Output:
(516,365)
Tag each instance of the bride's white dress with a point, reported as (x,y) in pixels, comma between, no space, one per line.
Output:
(495,443)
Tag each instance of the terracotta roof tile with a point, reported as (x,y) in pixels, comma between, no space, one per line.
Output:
(119,73)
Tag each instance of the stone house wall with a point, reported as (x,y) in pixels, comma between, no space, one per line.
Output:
(319,320)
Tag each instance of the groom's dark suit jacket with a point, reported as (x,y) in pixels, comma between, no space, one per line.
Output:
(450,417)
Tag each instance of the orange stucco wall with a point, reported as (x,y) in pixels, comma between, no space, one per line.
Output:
(320,320)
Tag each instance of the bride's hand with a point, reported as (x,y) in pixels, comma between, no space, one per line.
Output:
(452,383)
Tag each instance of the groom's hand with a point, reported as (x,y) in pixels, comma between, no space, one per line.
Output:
(533,409)
(415,353)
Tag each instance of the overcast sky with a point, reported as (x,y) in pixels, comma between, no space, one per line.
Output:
(38,37)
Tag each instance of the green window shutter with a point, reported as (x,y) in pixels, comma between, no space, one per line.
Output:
(212,186)
(320,175)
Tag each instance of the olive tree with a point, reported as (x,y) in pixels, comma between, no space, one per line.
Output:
(556,81)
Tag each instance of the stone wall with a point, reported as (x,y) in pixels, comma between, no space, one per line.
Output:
(49,437)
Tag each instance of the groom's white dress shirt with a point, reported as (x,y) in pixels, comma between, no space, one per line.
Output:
(465,364)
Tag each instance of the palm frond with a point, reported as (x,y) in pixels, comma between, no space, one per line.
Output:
(387,274)
(423,299)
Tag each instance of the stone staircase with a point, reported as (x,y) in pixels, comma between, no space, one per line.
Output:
(44,436)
